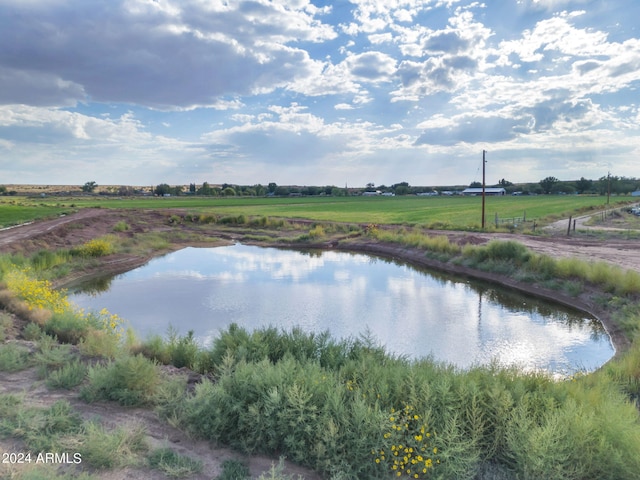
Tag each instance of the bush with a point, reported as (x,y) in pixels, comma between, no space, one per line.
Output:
(183,351)
(68,326)
(174,465)
(99,343)
(32,331)
(13,357)
(104,449)
(68,376)
(98,247)
(130,381)
(121,226)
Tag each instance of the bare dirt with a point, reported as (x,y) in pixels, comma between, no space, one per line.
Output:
(77,228)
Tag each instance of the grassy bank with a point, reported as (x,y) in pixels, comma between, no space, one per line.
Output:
(347,408)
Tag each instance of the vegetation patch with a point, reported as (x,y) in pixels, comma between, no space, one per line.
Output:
(173,464)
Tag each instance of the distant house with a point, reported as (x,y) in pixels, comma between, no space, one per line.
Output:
(487,191)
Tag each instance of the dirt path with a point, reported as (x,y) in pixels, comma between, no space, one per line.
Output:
(29,231)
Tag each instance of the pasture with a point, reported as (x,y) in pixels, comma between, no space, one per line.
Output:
(437,212)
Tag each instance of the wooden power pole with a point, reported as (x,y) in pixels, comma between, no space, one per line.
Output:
(484,162)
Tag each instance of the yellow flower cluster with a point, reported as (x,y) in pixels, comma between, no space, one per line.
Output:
(411,446)
(36,293)
(110,321)
(98,247)
(40,294)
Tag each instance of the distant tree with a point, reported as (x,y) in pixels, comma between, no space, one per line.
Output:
(229,192)
(3,190)
(205,189)
(505,183)
(125,190)
(583,185)
(281,191)
(192,188)
(475,185)
(401,188)
(370,187)
(548,183)
(89,187)
(272,187)
(259,189)
(162,189)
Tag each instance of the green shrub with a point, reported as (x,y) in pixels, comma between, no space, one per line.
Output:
(13,357)
(110,449)
(5,324)
(32,331)
(121,226)
(68,325)
(130,380)
(234,470)
(68,376)
(51,356)
(154,348)
(47,259)
(41,429)
(173,464)
(100,343)
(183,351)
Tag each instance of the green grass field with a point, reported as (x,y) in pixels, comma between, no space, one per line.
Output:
(449,212)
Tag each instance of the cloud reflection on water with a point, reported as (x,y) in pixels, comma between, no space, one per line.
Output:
(411,312)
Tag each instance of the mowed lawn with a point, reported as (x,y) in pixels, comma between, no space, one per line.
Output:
(449,211)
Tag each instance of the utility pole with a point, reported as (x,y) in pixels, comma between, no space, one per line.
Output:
(484,162)
(608,186)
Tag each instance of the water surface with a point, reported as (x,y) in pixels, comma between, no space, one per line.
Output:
(411,312)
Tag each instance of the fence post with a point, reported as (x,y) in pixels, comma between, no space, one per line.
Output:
(496,219)
(569,226)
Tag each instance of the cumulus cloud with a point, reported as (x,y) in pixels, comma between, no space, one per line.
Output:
(159,54)
(242,90)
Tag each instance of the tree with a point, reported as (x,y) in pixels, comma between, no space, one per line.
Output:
(89,187)
(548,183)
(192,188)
(205,189)
(505,183)
(583,185)
(475,185)
(162,189)
(272,187)
(401,188)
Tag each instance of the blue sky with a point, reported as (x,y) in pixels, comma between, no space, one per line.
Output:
(313,92)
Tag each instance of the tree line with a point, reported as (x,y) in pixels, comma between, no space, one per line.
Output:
(614,185)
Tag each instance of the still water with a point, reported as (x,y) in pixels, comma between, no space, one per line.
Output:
(411,312)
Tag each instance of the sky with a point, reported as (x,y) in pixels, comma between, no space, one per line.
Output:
(317,92)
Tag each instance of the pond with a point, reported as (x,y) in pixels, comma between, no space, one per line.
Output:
(411,312)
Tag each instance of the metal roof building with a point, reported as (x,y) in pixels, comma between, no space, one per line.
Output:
(487,191)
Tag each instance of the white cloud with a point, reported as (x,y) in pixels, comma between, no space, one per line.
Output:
(165,54)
